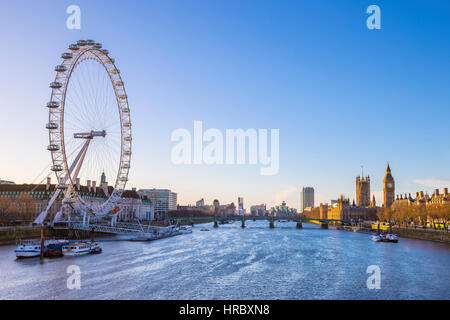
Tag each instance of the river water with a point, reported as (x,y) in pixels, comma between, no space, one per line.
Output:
(234,263)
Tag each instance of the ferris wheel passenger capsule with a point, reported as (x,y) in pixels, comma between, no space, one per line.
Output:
(51,125)
(127,124)
(56,168)
(74,47)
(119,83)
(128,139)
(60,68)
(53,147)
(97,45)
(67,55)
(123,96)
(105,51)
(55,85)
(126,110)
(52,104)
(90,42)
(81,43)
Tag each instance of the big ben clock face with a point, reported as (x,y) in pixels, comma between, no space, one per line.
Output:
(389,185)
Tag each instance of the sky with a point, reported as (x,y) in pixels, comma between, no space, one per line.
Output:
(340,94)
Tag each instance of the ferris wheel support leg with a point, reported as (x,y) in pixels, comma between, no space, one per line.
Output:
(40,219)
(84,219)
(77,162)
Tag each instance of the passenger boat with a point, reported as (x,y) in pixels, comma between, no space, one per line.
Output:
(53,248)
(147,236)
(185,229)
(391,238)
(95,248)
(56,244)
(81,248)
(28,249)
(377,238)
(32,248)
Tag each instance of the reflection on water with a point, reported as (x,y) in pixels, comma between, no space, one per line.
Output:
(234,263)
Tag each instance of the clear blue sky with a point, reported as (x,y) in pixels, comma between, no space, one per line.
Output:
(341,95)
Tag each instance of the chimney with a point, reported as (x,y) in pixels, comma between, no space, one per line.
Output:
(105,189)
(436,192)
(446,191)
(88,183)
(47,187)
(78,183)
(94,186)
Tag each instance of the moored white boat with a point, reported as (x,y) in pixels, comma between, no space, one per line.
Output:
(28,249)
(78,248)
(377,238)
(32,248)
(146,236)
(391,238)
(95,248)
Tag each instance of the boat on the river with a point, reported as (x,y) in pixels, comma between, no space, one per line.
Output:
(146,236)
(381,237)
(32,248)
(28,249)
(185,229)
(377,238)
(81,248)
(95,248)
(390,237)
(204,229)
(158,233)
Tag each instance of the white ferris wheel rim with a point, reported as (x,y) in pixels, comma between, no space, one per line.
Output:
(80,52)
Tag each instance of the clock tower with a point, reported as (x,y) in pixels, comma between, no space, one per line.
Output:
(388,188)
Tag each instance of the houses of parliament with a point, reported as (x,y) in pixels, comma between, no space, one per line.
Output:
(365,208)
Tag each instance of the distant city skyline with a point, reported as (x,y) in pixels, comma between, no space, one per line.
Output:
(341,95)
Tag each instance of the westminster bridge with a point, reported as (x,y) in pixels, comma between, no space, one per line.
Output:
(271,219)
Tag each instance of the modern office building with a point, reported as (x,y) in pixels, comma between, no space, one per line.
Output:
(306,198)
(240,206)
(258,210)
(163,200)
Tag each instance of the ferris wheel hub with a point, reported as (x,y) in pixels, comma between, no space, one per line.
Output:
(89,135)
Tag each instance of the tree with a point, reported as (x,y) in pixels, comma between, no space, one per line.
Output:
(24,207)
(5,204)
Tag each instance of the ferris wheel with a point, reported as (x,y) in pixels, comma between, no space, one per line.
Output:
(89,128)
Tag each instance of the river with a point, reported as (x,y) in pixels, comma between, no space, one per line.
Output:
(234,263)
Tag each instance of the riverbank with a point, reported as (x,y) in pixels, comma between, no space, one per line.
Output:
(14,234)
(438,236)
(418,234)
